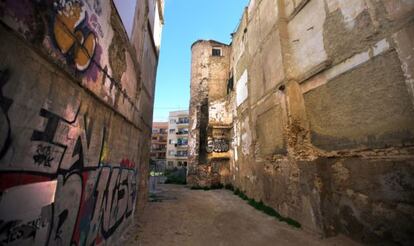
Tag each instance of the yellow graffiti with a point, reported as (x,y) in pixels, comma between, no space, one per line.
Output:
(105,152)
(67,36)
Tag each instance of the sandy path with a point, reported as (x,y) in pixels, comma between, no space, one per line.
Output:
(195,217)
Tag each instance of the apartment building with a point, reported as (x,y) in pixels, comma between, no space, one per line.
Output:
(159,143)
(177,147)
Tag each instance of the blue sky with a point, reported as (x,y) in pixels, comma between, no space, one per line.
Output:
(185,22)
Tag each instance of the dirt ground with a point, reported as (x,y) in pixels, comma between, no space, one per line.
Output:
(180,216)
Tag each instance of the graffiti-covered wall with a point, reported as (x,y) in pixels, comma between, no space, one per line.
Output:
(72,132)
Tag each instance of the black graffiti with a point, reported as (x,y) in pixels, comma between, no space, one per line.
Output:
(119,202)
(49,133)
(50,130)
(24,231)
(42,156)
(5,104)
(217,145)
(15,230)
(62,218)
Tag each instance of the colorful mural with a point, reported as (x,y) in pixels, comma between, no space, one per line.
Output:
(73,35)
(77,35)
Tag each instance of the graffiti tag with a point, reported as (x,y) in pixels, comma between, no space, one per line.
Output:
(217,145)
(42,156)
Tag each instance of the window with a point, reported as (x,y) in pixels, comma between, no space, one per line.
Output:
(182,131)
(182,141)
(185,163)
(181,154)
(170,163)
(180,163)
(172,130)
(183,120)
(172,121)
(216,52)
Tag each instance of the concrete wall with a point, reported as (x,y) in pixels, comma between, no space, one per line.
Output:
(74,136)
(323,114)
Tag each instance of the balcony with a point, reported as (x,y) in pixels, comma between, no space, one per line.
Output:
(181,155)
(159,149)
(182,145)
(182,121)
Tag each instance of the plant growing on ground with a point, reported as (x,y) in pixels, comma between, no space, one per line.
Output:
(212,187)
(176,176)
(266,209)
(229,187)
(199,188)
(218,186)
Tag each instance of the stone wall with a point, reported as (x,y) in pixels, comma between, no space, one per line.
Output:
(74,135)
(323,114)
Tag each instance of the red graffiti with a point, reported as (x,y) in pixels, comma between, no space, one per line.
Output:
(125,163)
(16,179)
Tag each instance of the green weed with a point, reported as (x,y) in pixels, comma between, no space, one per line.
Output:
(266,209)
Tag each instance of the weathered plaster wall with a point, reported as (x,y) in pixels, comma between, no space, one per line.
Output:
(323,114)
(74,138)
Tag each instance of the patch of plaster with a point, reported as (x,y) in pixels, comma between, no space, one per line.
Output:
(350,9)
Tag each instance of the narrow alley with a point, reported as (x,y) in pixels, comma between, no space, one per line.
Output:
(177,215)
(271,122)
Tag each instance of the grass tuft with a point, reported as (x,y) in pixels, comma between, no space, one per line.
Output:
(212,187)
(199,188)
(175,180)
(266,209)
(257,205)
(218,186)
(229,187)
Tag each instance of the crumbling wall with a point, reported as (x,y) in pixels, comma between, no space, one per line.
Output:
(323,114)
(74,140)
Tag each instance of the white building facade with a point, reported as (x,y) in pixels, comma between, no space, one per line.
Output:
(177,145)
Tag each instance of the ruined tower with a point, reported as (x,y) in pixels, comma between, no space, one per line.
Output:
(209,79)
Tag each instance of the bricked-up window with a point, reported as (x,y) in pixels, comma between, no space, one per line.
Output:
(216,52)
